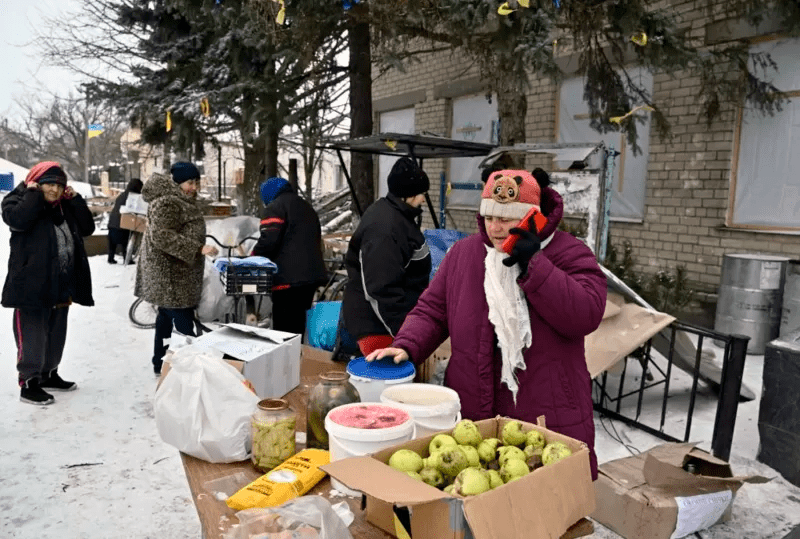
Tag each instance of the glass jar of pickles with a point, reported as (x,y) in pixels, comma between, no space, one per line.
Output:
(333,389)
(273,428)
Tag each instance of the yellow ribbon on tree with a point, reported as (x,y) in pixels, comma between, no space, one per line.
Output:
(169,121)
(205,107)
(618,119)
(281,16)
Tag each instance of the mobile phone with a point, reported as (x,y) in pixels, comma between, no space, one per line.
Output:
(539,221)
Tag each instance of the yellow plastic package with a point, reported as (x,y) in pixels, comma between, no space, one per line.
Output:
(292,478)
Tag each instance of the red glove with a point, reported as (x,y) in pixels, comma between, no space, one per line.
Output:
(69,192)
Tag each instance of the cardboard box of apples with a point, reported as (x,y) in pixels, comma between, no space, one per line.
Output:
(500,478)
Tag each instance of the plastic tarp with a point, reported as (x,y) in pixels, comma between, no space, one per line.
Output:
(439,242)
(767,189)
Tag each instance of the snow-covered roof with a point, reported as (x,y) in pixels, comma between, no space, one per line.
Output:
(18,171)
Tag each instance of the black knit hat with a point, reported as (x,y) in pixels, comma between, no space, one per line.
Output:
(184,171)
(406,179)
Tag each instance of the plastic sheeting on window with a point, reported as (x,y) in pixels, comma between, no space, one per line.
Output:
(474,120)
(395,121)
(767,179)
(630,172)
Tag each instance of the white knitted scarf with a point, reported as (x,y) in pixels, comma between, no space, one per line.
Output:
(508,312)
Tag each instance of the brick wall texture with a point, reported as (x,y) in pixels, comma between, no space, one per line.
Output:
(688,178)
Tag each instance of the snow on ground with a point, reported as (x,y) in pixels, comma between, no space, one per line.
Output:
(93,465)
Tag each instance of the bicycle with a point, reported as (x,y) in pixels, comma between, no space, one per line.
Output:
(253,283)
(334,288)
(239,282)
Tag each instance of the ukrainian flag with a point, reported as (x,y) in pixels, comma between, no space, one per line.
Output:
(95,130)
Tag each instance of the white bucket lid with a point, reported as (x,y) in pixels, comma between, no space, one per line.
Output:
(422,399)
(370,435)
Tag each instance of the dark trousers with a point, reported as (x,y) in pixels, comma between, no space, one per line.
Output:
(182,319)
(289,308)
(117,236)
(40,335)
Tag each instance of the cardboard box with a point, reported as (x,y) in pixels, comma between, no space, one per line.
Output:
(651,496)
(131,221)
(270,359)
(543,504)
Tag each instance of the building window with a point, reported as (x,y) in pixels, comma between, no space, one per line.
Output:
(630,171)
(765,177)
(395,121)
(474,120)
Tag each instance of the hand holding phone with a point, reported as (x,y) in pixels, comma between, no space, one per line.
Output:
(539,221)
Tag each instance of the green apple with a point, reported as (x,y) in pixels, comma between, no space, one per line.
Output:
(487,449)
(470,482)
(533,456)
(494,478)
(452,461)
(432,461)
(512,433)
(513,469)
(535,438)
(466,433)
(472,455)
(449,488)
(508,452)
(555,451)
(441,442)
(406,460)
(432,476)
(415,475)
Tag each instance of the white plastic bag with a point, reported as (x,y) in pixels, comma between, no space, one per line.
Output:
(214,303)
(312,516)
(203,406)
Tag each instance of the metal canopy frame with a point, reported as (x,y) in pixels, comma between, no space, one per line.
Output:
(418,147)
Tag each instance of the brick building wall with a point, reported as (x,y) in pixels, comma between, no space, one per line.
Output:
(688,182)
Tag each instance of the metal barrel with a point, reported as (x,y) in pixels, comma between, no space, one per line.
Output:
(750,297)
(790,310)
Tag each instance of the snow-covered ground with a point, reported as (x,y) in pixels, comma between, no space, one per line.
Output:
(93,465)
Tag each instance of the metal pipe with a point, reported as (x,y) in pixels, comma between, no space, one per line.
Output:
(730,386)
(349,183)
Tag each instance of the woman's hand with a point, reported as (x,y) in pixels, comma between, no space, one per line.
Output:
(209,250)
(399,354)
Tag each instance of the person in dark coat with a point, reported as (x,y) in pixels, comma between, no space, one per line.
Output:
(291,236)
(47,271)
(516,323)
(118,236)
(388,261)
(170,269)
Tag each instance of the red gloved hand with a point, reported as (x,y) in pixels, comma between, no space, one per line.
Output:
(69,192)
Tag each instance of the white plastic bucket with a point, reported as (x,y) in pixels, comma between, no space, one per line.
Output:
(345,442)
(434,408)
(370,389)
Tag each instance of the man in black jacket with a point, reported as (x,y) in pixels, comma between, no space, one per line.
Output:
(388,261)
(118,236)
(291,236)
(47,272)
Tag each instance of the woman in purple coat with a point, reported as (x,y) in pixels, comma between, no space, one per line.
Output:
(517,323)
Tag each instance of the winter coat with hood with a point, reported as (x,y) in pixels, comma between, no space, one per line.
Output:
(170,269)
(388,266)
(291,236)
(34,278)
(566,295)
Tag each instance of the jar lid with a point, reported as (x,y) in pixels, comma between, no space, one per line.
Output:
(380,369)
(335,376)
(273,404)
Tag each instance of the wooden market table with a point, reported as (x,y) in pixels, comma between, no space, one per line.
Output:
(216,517)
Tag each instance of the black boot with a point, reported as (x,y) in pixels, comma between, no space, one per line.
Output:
(54,382)
(32,393)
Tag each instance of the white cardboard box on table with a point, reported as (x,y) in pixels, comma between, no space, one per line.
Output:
(270,359)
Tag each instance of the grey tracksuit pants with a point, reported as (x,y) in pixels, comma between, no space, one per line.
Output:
(40,335)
